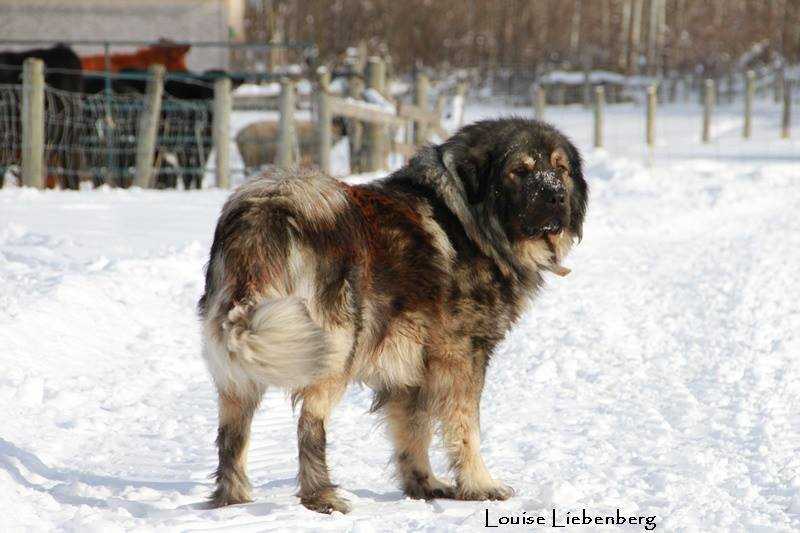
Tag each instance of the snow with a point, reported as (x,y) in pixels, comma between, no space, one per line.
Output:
(578,78)
(660,378)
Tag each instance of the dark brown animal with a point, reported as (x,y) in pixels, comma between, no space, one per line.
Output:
(406,284)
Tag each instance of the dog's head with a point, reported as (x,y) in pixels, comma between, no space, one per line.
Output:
(523,172)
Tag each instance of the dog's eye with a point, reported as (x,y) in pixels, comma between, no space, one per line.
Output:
(518,172)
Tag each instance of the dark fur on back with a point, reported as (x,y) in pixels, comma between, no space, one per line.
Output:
(406,284)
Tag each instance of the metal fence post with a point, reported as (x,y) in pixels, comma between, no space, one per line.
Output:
(539,102)
(652,98)
(749,92)
(376,134)
(222,132)
(421,88)
(786,118)
(147,133)
(286,124)
(33,123)
(324,122)
(708,107)
(599,102)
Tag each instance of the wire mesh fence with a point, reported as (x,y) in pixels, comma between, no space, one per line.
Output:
(10,131)
(93,137)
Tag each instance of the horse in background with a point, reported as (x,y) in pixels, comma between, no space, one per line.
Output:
(62,71)
(167,53)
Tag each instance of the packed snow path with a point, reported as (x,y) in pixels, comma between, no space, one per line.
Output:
(661,377)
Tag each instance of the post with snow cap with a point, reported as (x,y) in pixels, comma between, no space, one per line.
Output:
(786,118)
(221,132)
(652,101)
(376,134)
(33,123)
(421,89)
(324,121)
(539,102)
(599,102)
(749,93)
(708,108)
(286,124)
(148,127)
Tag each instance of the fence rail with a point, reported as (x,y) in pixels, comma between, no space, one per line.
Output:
(140,134)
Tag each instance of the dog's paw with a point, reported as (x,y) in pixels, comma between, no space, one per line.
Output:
(498,491)
(430,490)
(228,493)
(325,502)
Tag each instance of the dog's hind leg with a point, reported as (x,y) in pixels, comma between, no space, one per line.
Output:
(316,490)
(411,428)
(235,416)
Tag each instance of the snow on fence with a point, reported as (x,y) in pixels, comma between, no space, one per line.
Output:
(148,138)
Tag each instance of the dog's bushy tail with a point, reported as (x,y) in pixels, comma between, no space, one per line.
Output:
(277,339)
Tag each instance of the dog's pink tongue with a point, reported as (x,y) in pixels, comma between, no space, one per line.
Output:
(559,270)
(555,267)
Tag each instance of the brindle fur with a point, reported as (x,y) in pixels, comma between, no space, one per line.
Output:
(405,284)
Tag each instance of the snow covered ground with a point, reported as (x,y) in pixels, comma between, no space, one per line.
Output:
(660,378)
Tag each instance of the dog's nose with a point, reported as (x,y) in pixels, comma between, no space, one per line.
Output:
(557,199)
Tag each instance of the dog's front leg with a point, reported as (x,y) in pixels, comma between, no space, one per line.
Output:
(411,428)
(456,385)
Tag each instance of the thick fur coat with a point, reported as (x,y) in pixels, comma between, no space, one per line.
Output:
(406,284)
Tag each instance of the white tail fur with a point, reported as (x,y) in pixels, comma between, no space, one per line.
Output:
(277,339)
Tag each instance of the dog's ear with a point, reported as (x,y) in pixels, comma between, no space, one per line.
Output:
(569,159)
(559,160)
(468,165)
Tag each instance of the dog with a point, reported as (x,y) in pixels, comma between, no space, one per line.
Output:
(406,284)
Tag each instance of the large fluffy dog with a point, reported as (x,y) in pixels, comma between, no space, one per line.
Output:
(405,284)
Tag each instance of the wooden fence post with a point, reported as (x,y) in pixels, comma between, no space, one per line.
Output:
(587,87)
(376,134)
(324,122)
(539,102)
(708,107)
(421,88)
(286,125)
(441,103)
(731,86)
(786,118)
(221,132)
(461,99)
(147,134)
(33,123)
(599,102)
(778,85)
(749,92)
(652,96)
(355,128)
(687,89)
